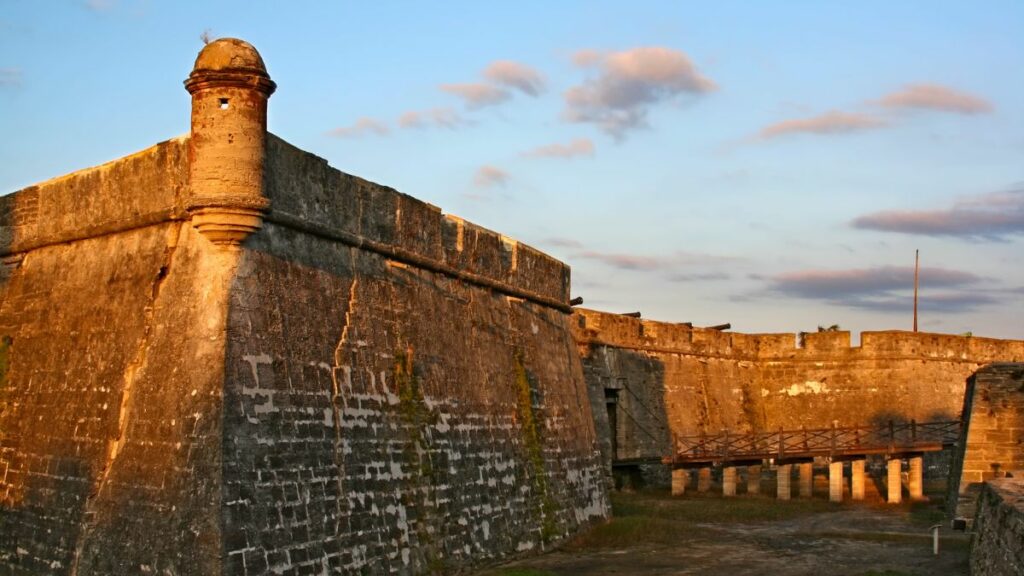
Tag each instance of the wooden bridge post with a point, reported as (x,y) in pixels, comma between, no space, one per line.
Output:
(806,473)
(895,481)
(680,478)
(857,479)
(784,473)
(915,480)
(835,481)
(729,481)
(754,479)
(704,479)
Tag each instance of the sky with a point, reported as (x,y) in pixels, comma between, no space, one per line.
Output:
(774,165)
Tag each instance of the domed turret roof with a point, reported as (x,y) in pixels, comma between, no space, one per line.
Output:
(226,54)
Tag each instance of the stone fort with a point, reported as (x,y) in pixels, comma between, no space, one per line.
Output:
(220,355)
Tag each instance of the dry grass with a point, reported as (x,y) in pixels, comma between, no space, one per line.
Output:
(645,518)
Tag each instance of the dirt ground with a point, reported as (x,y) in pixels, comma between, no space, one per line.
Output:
(653,533)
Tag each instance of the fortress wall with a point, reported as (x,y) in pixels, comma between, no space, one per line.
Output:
(993,409)
(712,380)
(387,417)
(997,545)
(309,195)
(110,387)
(138,190)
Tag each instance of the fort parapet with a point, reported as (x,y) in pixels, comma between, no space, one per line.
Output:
(222,356)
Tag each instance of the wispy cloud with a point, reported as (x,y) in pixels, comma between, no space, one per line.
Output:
(515,75)
(578,147)
(884,288)
(644,262)
(100,5)
(477,94)
(10,77)
(832,122)
(953,302)
(989,216)
(438,117)
(362,127)
(699,277)
(560,242)
(831,284)
(627,84)
(489,177)
(500,77)
(934,97)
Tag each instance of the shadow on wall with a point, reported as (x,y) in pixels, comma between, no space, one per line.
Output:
(627,398)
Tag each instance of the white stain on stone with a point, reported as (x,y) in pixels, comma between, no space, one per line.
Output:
(262,393)
(808,387)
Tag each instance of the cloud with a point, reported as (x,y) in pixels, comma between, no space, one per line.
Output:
(627,84)
(559,242)
(578,147)
(641,262)
(515,75)
(438,117)
(884,289)
(949,302)
(988,216)
(832,122)
(934,97)
(835,284)
(362,127)
(587,57)
(10,77)
(489,177)
(100,5)
(477,94)
(700,277)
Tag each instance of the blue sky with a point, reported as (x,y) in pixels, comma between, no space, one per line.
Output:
(769,164)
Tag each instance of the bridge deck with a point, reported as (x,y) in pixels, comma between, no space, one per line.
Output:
(891,438)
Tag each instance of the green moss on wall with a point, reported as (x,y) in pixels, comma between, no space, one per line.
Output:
(531,430)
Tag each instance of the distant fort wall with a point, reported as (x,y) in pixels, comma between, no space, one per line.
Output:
(675,379)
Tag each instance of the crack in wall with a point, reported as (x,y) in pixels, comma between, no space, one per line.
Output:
(336,395)
(131,372)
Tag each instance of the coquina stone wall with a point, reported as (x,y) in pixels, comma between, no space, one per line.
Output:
(397,418)
(993,446)
(997,545)
(222,356)
(112,371)
(680,380)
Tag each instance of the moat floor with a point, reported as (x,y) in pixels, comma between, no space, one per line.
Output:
(653,533)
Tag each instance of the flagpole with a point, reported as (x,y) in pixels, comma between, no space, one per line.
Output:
(917,268)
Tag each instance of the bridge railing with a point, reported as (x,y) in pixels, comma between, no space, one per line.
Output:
(891,437)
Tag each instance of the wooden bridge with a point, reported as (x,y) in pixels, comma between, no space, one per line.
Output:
(786,447)
(834,442)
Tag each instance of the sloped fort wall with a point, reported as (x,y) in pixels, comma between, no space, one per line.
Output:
(993,446)
(263,365)
(672,379)
(420,419)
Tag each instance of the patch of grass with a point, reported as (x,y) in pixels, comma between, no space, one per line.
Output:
(927,513)
(629,531)
(712,508)
(645,518)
